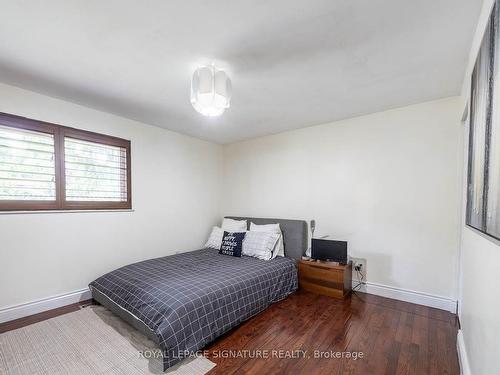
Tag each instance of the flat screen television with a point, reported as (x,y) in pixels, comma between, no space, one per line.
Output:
(330,250)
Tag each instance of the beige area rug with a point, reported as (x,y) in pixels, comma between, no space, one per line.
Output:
(89,341)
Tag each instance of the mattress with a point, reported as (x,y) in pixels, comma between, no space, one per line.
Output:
(187,300)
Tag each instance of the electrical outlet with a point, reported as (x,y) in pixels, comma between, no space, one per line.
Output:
(359,264)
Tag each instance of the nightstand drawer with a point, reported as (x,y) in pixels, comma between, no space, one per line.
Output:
(313,271)
(327,278)
(335,291)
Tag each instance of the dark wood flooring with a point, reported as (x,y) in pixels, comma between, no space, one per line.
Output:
(27,320)
(395,338)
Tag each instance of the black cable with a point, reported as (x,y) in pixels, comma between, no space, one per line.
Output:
(361,281)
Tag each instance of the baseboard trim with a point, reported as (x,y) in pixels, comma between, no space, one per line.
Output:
(463,359)
(411,296)
(30,308)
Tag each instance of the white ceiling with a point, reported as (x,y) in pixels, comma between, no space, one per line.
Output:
(293,63)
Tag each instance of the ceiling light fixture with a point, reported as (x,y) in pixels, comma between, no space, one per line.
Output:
(210,91)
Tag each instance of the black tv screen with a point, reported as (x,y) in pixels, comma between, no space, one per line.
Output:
(335,251)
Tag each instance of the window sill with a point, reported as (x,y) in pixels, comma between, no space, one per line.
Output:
(62,211)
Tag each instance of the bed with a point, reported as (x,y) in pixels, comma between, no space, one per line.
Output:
(185,301)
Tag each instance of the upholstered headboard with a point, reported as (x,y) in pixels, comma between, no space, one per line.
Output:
(294,233)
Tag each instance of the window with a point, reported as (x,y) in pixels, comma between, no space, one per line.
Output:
(50,167)
(483,185)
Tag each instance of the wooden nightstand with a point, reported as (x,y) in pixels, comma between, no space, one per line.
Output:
(328,278)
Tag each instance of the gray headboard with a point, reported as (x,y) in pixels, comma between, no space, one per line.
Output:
(294,233)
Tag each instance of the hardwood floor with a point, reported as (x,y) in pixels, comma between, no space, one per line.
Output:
(27,320)
(395,338)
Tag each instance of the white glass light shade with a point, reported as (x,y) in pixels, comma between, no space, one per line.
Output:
(210,91)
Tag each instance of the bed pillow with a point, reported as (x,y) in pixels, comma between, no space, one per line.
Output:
(234,225)
(232,243)
(272,228)
(260,244)
(215,239)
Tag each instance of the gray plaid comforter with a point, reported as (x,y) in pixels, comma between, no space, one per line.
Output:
(190,299)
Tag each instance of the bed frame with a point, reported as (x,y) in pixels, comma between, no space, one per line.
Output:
(295,244)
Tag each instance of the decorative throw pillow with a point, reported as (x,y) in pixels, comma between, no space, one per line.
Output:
(272,228)
(232,243)
(260,244)
(232,225)
(215,239)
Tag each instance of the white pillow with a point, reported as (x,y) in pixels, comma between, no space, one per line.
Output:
(272,228)
(215,239)
(260,244)
(231,225)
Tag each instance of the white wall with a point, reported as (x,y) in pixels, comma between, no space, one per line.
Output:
(480,305)
(175,197)
(387,182)
(479,258)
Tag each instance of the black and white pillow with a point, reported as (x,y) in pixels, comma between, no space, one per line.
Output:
(215,239)
(232,243)
(232,225)
(260,244)
(273,228)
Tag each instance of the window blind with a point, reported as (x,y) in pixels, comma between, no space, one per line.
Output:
(45,166)
(94,171)
(27,165)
